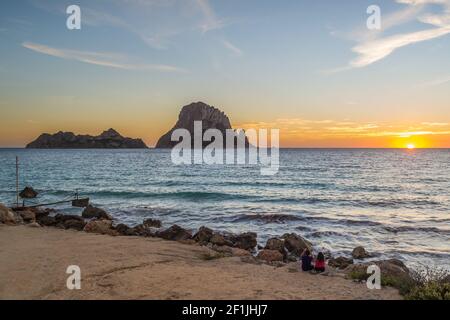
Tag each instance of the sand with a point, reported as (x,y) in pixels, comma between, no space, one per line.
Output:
(33,263)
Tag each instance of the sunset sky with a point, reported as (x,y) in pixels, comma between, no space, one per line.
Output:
(309,68)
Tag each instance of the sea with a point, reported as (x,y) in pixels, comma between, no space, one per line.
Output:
(393,202)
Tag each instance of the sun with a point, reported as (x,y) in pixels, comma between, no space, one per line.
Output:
(410,146)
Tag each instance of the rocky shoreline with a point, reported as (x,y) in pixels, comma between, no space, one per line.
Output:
(277,252)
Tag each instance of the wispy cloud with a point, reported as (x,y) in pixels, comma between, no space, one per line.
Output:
(211,22)
(435,82)
(373,46)
(373,51)
(111,60)
(235,50)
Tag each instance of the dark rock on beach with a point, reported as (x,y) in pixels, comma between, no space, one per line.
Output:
(47,221)
(175,233)
(219,240)
(246,241)
(8,216)
(392,270)
(109,139)
(123,229)
(28,216)
(74,224)
(203,235)
(101,227)
(152,223)
(360,253)
(295,244)
(39,212)
(65,217)
(91,212)
(275,244)
(270,255)
(211,118)
(340,262)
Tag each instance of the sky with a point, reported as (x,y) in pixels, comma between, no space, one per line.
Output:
(312,69)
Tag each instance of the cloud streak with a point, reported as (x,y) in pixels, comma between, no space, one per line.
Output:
(373,47)
(103,59)
(211,22)
(235,50)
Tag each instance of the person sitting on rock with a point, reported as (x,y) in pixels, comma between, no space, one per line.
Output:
(307,260)
(319,266)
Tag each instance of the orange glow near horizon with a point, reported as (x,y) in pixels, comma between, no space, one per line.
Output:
(294,132)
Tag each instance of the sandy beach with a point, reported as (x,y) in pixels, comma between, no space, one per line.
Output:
(34,262)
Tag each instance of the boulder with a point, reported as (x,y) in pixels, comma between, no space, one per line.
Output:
(152,223)
(91,212)
(393,267)
(237,252)
(360,253)
(270,255)
(123,229)
(39,212)
(74,224)
(295,244)
(100,226)
(141,231)
(340,262)
(175,233)
(28,216)
(393,270)
(218,240)
(28,193)
(64,217)
(7,216)
(246,241)
(275,244)
(47,221)
(203,235)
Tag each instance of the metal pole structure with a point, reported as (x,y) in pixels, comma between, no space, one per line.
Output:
(17,181)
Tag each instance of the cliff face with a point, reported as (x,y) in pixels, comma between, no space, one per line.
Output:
(109,139)
(212,118)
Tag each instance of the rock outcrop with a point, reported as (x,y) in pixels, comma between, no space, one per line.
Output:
(109,139)
(360,253)
(175,233)
(91,212)
(28,193)
(101,227)
(211,118)
(295,244)
(7,216)
(340,262)
(270,255)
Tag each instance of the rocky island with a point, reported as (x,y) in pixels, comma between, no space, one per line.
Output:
(109,139)
(211,118)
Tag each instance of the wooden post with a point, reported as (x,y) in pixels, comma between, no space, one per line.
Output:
(17,181)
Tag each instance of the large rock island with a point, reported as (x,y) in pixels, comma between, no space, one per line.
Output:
(109,139)
(211,118)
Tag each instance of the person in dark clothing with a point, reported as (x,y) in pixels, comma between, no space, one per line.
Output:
(319,265)
(307,260)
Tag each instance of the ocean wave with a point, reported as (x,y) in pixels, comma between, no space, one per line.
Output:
(185,195)
(361,203)
(266,218)
(416,229)
(321,234)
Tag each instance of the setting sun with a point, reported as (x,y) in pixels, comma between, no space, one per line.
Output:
(411,146)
